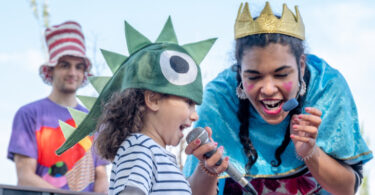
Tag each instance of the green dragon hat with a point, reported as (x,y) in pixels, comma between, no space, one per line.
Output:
(163,66)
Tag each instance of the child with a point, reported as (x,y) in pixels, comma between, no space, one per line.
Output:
(137,125)
(149,101)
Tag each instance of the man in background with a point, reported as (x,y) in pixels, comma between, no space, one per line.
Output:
(36,133)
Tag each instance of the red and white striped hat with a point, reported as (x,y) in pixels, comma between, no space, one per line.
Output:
(65,39)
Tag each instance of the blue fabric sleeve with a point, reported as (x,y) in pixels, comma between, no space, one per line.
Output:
(339,133)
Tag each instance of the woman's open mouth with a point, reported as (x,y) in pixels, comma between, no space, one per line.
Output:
(272,106)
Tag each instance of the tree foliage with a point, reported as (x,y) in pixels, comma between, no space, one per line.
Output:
(44,14)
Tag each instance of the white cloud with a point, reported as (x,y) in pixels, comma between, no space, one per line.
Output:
(29,59)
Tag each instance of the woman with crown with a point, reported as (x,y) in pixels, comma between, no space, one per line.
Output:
(315,148)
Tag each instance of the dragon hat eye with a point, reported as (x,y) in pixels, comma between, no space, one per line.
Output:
(177,67)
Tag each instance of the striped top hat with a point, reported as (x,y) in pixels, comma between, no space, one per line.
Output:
(65,39)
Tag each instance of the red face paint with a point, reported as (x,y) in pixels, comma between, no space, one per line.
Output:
(288,86)
(248,87)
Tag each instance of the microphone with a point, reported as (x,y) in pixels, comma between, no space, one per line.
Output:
(202,135)
(290,105)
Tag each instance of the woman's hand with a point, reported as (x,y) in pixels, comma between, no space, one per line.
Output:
(199,150)
(304,131)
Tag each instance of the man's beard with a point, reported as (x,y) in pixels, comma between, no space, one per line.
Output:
(66,90)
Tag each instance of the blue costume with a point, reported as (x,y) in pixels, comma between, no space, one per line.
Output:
(339,133)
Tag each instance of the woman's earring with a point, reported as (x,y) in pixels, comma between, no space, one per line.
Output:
(240,93)
(302,90)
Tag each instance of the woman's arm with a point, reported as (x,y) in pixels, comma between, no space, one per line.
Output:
(335,177)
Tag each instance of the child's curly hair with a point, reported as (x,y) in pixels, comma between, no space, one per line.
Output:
(121,116)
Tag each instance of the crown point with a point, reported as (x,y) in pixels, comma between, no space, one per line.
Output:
(298,16)
(244,14)
(239,11)
(267,8)
(287,15)
(285,7)
(267,12)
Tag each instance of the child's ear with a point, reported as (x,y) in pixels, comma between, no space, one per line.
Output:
(152,100)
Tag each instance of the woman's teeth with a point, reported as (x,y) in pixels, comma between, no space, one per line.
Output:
(271,104)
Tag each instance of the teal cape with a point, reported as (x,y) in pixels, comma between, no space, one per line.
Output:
(339,133)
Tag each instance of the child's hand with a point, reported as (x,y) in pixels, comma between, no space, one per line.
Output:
(209,163)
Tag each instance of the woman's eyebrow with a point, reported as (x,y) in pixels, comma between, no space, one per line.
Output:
(282,68)
(252,71)
(277,69)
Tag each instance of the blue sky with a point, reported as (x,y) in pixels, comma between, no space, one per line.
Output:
(341,32)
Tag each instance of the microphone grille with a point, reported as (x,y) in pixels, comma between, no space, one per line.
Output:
(290,105)
(194,134)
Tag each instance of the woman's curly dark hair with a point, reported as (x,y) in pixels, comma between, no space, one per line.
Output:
(122,115)
(297,48)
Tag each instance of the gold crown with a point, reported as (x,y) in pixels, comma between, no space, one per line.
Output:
(267,22)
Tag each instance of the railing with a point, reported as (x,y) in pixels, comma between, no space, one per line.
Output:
(26,190)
